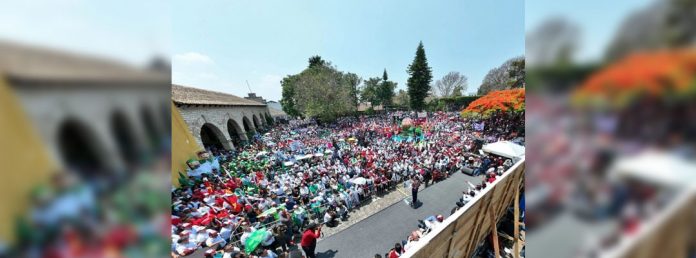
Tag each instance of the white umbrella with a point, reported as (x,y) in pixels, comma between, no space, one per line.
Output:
(359,181)
(288,163)
(303,157)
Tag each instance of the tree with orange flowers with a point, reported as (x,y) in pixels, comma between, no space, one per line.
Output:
(497,101)
(663,74)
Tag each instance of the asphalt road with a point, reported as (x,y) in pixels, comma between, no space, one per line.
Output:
(379,232)
(563,235)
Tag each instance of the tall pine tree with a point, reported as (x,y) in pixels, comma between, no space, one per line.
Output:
(418,83)
(386,90)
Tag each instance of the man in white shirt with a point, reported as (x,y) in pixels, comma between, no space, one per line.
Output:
(226,230)
(247,232)
(185,247)
(214,239)
(467,196)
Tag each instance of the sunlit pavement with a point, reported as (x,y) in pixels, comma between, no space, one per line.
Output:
(379,232)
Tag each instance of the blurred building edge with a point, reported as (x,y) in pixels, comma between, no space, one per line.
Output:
(68,113)
(276,110)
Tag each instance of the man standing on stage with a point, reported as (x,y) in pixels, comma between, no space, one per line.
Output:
(415,183)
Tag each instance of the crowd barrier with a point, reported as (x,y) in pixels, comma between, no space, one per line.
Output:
(460,234)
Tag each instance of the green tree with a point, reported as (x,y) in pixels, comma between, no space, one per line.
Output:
(517,73)
(418,83)
(401,99)
(354,81)
(509,75)
(385,92)
(315,61)
(319,91)
(457,92)
(370,91)
(287,100)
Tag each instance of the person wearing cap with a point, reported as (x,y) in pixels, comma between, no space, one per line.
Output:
(309,239)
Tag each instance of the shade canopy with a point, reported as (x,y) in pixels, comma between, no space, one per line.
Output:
(656,167)
(506,149)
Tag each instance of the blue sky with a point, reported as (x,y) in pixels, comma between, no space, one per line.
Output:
(130,31)
(219,44)
(598,20)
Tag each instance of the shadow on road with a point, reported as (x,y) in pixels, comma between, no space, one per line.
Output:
(327,254)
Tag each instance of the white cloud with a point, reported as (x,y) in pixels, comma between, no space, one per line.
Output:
(193,58)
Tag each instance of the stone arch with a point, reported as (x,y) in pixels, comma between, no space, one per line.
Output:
(151,129)
(235,132)
(263,119)
(256,121)
(269,117)
(212,137)
(248,126)
(125,137)
(81,150)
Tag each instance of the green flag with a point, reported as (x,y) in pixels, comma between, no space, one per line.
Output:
(254,240)
(183,180)
(271,211)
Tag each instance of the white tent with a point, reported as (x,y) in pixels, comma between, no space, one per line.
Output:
(657,167)
(506,149)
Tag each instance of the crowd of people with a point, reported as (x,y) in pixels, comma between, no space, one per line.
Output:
(121,215)
(254,200)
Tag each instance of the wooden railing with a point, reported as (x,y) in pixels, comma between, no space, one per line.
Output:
(460,234)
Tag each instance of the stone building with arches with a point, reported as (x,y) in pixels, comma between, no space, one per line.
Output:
(70,114)
(219,120)
(93,115)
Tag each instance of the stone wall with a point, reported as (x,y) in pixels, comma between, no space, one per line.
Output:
(50,107)
(222,118)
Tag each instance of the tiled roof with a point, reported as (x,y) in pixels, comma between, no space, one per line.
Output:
(20,61)
(188,95)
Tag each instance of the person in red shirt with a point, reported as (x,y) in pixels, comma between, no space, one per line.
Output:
(309,239)
(396,251)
